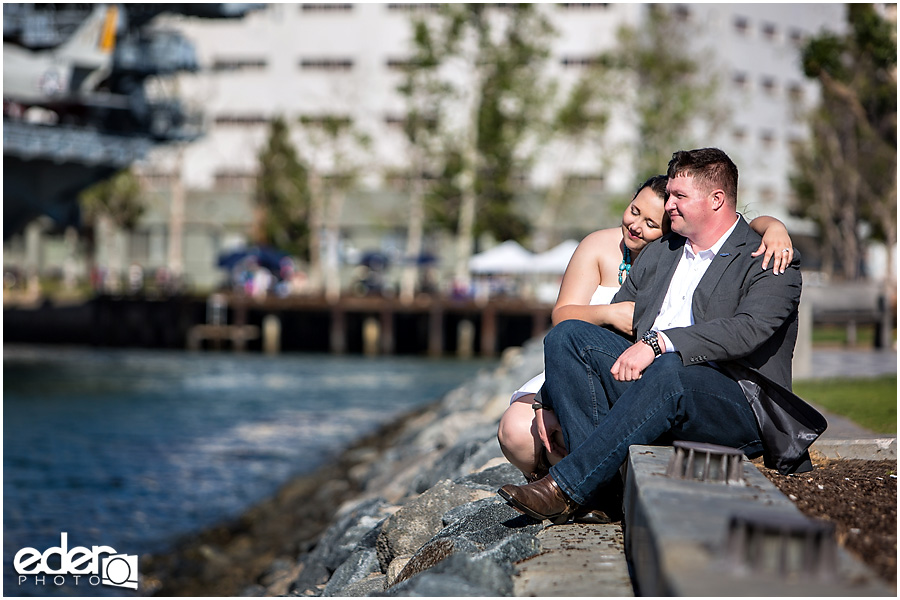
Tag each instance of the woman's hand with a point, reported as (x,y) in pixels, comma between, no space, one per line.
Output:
(550,432)
(621,316)
(777,246)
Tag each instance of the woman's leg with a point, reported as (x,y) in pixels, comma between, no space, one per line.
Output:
(517,435)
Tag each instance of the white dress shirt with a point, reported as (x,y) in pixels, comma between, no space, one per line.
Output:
(676,309)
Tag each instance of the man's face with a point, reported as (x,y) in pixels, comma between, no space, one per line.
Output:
(688,206)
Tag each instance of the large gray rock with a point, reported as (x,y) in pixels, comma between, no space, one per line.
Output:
(419,520)
(459,575)
(490,524)
(492,479)
(342,538)
(512,549)
(355,529)
(466,454)
(360,565)
(431,554)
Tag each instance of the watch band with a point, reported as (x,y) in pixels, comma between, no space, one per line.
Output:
(651,338)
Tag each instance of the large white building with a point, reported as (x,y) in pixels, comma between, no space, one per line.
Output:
(307,59)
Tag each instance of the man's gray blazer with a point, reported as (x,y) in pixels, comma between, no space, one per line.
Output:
(745,320)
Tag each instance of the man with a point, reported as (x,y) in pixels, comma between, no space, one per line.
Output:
(712,362)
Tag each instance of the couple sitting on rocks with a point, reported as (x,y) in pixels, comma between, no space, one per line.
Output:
(714,329)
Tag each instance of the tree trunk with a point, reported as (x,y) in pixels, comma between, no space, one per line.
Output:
(316,221)
(414,235)
(332,264)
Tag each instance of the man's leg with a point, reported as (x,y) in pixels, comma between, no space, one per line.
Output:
(579,386)
(695,403)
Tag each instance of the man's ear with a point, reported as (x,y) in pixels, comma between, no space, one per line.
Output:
(717,199)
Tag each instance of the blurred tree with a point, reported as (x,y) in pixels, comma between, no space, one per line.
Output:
(282,194)
(110,204)
(579,117)
(669,95)
(334,147)
(847,174)
(118,198)
(501,51)
(425,95)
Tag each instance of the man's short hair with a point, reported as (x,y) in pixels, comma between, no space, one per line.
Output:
(710,167)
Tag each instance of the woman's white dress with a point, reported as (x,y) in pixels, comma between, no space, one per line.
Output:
(603,295)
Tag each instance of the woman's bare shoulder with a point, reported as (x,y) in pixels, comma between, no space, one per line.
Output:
(603,239)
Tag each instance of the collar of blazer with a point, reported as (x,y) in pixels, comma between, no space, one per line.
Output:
(729,252)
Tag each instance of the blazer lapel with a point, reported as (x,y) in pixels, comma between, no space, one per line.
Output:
(667,264)
(728,253)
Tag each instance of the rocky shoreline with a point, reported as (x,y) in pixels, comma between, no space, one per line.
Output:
(408,511)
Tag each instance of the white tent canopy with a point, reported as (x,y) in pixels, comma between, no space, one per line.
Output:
(508,257)
(511,258)
(555,260)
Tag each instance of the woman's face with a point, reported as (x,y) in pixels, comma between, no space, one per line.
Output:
(642,221)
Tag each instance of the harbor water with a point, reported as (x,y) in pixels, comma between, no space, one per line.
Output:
(133,449)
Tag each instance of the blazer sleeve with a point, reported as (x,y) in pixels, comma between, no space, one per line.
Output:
(737,321)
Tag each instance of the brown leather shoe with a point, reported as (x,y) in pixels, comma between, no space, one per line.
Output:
(541,500)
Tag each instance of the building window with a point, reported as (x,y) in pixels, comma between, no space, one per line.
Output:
(796,36)
(579,61)
(770,31)
(415,7)
(243,181)
(584,6)
(796,92)
(326,64)
(739,134)
(401,64)
(740,80)
(768,85)
(320,120)
(767,136)
(156,180)
(326,7)
(742,25)
(238,64)
(244,120)
(681,12)
(584,182)
(399,122)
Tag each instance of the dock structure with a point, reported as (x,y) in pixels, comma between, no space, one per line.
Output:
(430,325)
(378,325)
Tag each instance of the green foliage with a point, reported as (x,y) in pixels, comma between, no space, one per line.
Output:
(507,62)
(871,403)
(847,173)
(671,90)
(118,197)
(282,194)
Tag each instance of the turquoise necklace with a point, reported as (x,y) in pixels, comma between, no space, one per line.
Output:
(625,267)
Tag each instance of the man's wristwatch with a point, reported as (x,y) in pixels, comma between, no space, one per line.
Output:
(651,338)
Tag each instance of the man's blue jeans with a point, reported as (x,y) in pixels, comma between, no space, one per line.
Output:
(602,417)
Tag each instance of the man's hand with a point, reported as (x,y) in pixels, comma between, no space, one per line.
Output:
(550,433)
(632,362)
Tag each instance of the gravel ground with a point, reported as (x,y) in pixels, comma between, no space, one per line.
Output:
(859,497)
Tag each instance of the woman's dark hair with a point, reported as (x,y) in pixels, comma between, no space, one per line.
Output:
(657,185)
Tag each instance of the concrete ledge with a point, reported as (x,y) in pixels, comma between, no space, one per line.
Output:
(676,531)
(883,448)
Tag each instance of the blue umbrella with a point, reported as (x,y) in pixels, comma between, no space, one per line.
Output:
(269,258)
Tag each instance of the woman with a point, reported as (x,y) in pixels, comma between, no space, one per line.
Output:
(596,270)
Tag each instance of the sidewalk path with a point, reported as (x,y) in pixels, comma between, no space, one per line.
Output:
(844,438)
(838,362)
